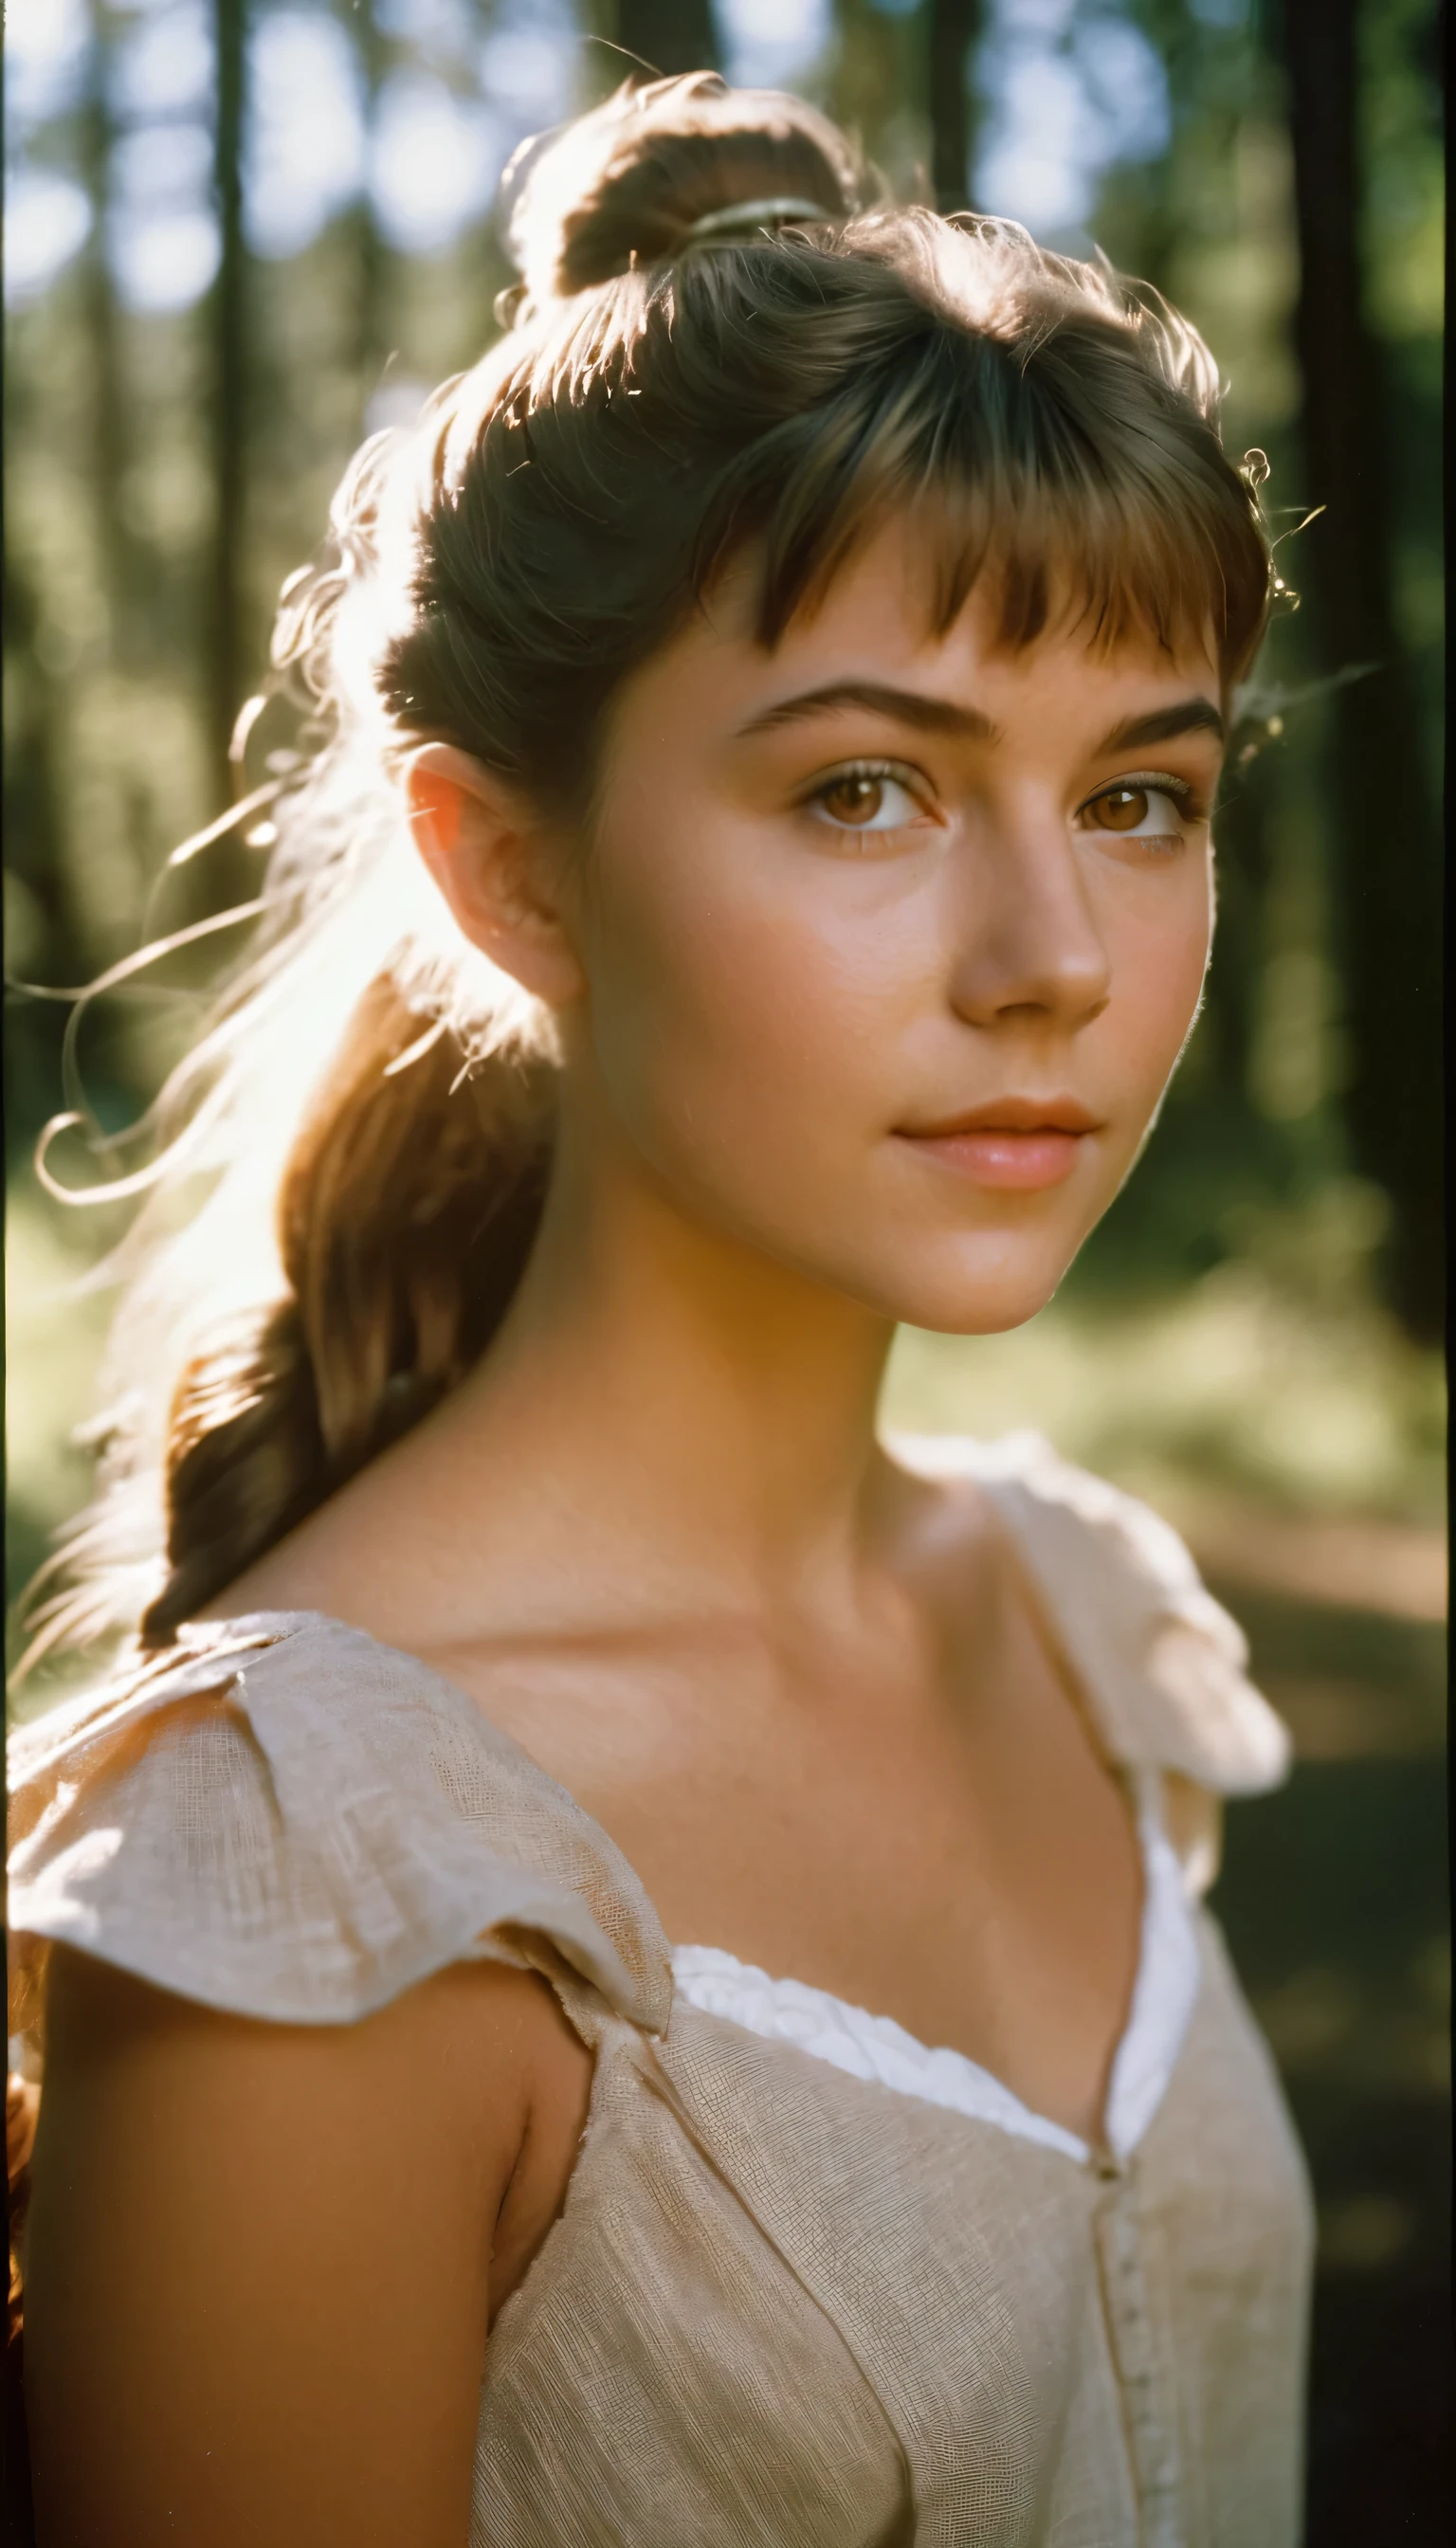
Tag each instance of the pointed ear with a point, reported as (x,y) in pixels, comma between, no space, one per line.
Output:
(487,853)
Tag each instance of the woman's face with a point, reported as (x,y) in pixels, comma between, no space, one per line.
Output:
(891,940)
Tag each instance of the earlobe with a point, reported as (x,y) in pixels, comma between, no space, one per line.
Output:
(483,852)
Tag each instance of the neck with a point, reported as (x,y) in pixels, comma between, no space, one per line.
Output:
(689,1395)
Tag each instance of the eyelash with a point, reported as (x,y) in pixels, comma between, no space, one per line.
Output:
(896,771)
(1157,782)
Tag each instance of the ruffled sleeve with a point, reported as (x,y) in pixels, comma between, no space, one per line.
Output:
(1162,1665)
(293,1822)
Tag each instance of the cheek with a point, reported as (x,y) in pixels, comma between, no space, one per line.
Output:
(1161,950)
(740,1006)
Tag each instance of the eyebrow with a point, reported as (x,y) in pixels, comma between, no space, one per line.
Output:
(1186,716)
(949,716)
(906,707)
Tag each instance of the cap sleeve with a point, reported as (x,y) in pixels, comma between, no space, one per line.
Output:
(1161,1662)
(1165,1665)
(293,1822)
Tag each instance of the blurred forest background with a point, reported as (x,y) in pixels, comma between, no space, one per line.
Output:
(242,234)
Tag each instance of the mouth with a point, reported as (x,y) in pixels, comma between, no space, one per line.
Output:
(1018,1144)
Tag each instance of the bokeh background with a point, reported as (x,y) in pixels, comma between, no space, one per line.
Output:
(241,234)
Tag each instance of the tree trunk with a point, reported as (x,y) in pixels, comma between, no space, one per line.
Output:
(1383,835)
(371,338)
(666,35)
(227,658)
(954,33)
(108,401)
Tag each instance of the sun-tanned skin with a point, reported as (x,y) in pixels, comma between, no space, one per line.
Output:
(653,1536)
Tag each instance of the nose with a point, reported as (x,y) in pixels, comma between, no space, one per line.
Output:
(1029,941)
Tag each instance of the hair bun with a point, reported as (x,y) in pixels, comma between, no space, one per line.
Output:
(629,180)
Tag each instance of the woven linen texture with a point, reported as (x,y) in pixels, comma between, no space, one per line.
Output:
(785,2305)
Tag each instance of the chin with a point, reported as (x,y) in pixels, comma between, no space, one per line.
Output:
(982,1317)
(987,1300)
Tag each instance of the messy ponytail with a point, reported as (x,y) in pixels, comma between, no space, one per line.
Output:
(371,1112)
(408,1209)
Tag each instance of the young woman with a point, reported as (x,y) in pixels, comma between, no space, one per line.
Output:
(625,1961)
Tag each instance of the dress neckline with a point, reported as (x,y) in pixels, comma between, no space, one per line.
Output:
(1169,1967)
(879,2048)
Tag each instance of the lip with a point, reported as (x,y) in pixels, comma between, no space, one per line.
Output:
(1018,1144)
(1010,1115)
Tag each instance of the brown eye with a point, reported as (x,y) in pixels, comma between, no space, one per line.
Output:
(867,803)
(1122,809)
(853,799)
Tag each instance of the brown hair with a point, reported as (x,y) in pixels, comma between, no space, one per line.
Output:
(663,404)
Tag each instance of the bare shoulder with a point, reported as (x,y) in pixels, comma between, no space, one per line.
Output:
(262,2260)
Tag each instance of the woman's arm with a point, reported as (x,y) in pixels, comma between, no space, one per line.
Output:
(261,2259)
